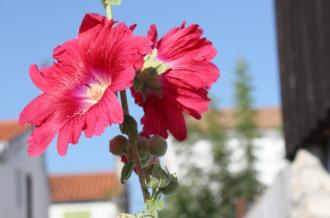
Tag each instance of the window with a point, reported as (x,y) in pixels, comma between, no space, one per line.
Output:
(18,188)
(29,197)
(77,214)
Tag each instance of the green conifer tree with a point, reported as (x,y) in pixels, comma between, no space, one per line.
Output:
(246,131)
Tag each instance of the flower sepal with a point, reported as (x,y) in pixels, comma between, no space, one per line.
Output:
(146,81)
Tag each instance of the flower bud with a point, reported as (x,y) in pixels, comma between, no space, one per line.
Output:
(172,187)
(146,160)
(157,145)
(118,145)
(163,176)
(142,148)
(129,127)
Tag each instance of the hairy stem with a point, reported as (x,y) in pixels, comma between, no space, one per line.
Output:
(139,172)
(124,103)
(134,152)
(108,9)
(133,147)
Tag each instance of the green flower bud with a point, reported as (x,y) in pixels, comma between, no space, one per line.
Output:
(157,146)
(129,127)
(118,145)
(146,160)
(142,148)
(172,187)
(162,176)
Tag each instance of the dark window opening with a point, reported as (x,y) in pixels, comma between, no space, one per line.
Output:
(18,188)
(29,197)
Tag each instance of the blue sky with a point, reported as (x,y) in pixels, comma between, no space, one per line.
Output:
(31,29)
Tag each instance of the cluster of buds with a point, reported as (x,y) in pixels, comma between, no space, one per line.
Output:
(148,151)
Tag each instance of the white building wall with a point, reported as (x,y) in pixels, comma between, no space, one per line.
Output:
(276,201)
(301,190)
(95,209)
(14,167)
(270,154)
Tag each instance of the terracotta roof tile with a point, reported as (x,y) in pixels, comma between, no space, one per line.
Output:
(84,187)
(10,130)
(266,118)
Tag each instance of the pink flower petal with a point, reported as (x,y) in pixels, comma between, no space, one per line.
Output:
(43,135)
(107,111)
(69,133)
(153,35)
(91,20)
(176,122)
(38,78)
(37,111)
(184,86)
(154,120)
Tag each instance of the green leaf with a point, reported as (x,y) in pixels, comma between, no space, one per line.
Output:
(126,172)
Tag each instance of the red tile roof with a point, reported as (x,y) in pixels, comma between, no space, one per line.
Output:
(10,130)
(265,118)
(84,187)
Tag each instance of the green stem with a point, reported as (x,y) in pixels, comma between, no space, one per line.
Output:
(139,171)
(134,151)
(133,147)
(108,9)
(124,103)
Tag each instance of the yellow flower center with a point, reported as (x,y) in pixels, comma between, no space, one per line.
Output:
(95,92)
(151,61)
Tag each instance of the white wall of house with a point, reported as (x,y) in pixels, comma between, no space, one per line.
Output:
(89,209)
(15,169)
(270,154)
(301,190)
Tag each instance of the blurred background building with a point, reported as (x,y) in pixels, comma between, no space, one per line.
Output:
(88,195)
(27,191)
(24,185)
(269,151)
(303,187)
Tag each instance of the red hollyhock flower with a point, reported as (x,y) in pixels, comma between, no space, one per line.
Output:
(78,88)
(183,73)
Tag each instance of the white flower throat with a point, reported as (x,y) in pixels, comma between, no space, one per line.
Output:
(95,92)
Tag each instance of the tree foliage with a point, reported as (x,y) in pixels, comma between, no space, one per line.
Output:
(246,131)
(213,192)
